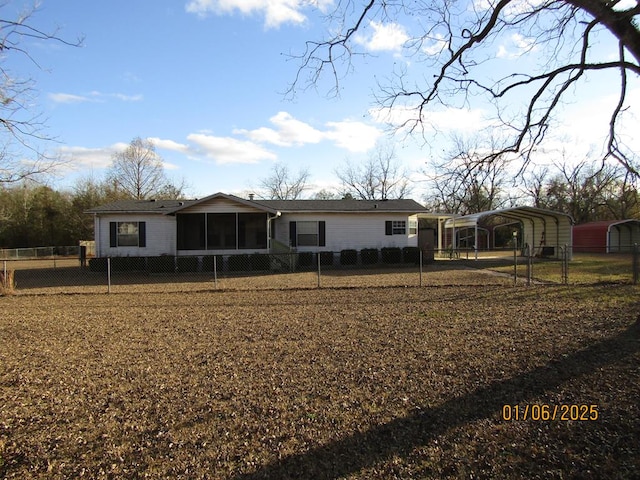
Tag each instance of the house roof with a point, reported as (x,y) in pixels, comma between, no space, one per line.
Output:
(142,206)
(285,206)
(344,206)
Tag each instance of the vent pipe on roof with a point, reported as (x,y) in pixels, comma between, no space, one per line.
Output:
(251,196)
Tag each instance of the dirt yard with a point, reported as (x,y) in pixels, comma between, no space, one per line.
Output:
(377,382)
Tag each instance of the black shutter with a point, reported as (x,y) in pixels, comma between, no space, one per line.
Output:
(113,234)
(293,237)
(322,234)
(142,234)
(388,227)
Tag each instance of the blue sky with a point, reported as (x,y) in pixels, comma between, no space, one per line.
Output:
(205,80)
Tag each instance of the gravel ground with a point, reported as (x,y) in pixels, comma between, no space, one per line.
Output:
(344,382)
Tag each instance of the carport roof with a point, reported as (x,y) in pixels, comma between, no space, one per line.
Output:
(517,213)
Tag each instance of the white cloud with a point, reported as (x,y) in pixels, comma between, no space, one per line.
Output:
(515,46)
(93,96)
(275,12)
(226,150)
(353,136)
(447,119)
(69,98)
(79,158)
(169,145)
(435,45)
(389,37)
(289,132)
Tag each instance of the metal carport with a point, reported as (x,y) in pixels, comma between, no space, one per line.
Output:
(544,231)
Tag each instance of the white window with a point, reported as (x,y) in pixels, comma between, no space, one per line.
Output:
(399,227)
(307,234)
(413,227)
(128,234)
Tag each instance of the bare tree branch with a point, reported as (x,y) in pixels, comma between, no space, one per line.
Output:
(561,34)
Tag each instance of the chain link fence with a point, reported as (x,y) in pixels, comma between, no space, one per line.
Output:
(347,268)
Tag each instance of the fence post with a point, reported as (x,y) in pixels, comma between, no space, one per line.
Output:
(108,274)
(635,264)
(420,261)
(565,264)
(215,271)
(529,268)
(4,269)
(318,259)
(515,259)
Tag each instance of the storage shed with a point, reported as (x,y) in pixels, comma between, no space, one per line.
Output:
(543,232)
(608,236)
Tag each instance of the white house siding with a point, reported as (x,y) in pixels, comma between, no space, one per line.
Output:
(160,235)
(220,205)
(351,230)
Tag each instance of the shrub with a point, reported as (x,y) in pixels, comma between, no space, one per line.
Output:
(128,264)
(98,264)
(326,258)
(391,255)
(411,255)
(305,259)
(187,264)
(207,263)
(259,261)
(369,256)
(162,264)
(239,263)
(348,257)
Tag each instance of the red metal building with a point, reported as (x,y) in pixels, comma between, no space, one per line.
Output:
(608,236)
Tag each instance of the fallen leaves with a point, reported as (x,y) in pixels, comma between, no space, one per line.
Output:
(353,383)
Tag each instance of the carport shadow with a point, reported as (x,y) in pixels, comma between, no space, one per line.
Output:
(399,437)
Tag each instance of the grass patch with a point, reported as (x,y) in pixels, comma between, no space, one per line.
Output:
(583,268)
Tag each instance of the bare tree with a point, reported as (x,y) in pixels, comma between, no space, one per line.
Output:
(463,184)
(138,171)
(581,191)
(451,38)
(20,126)
(281,184)
(534,184)
(381,177)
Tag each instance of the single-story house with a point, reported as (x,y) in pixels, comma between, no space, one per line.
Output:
(607,236)
(226,224)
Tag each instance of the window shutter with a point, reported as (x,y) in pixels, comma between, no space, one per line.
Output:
(142,234)
(292,234)
(322,234)
(388,227)
(113,234)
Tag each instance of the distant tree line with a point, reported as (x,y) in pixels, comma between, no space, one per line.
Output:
(34,215)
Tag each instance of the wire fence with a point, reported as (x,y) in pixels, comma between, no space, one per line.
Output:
(347,268)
